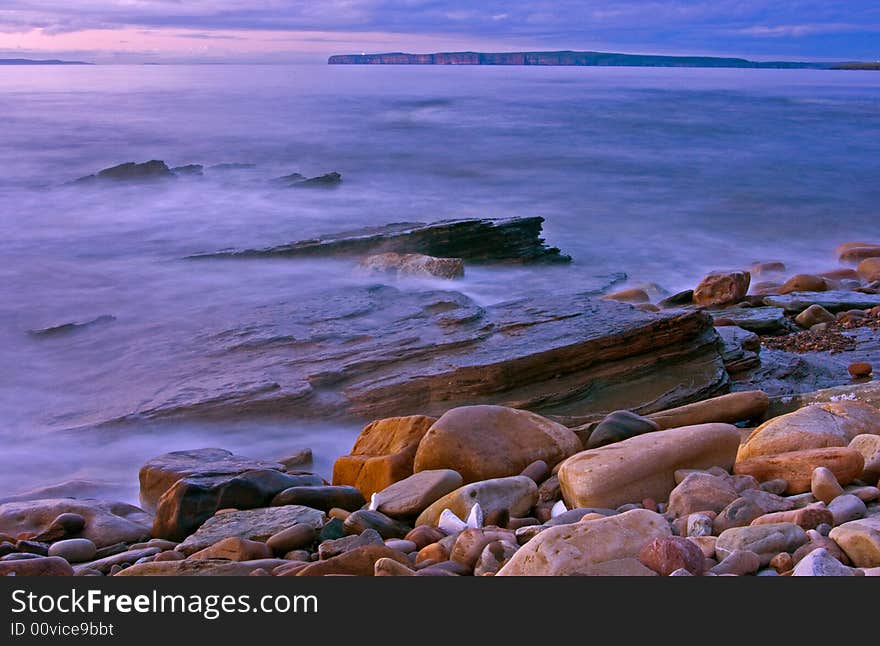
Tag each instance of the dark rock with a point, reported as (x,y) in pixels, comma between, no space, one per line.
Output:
(364,519)
(677,300)
(671,553)
(67,524)
(67,328)
(333,529)
(475,241)
(110,550)
(833,301)
(293,538)
(324,498)
(39,566)
(33,547)
(232,166)
(760,320)
(288,180)
(130,172)
(190,170)
(330,180)
(739,349)
(192,500)
(620,425)
(159,474)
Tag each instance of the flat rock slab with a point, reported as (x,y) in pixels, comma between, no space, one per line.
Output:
(475,241)
(375,351)
(760,320)
(834,301)
(252,524)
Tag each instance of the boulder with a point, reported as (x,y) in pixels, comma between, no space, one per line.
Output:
(40,566)
(730,408)
(411,496)
(234,548)
(804,283)
(671,553)
(739,513)
(860,541)
(516,494)
(819,562)
(808,517)
(620,425)
(824,485)
(323,497)
(721,288)
(644,466)
(485,442)
(329,180)
(365,519)
(796,467)
(329,549)
(159,474)
(869,446)
(130,172)
(413,264)
(701,492)
(106,522)
(252,524)
(764,540)
(869,269)
(857,250)
(813,315)
(74,550)
(634,295)
(382,454)
(193,499)
(812,427)
(292,538)
(360,561)
(596,547)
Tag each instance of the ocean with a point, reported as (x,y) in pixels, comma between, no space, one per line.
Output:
(662,174)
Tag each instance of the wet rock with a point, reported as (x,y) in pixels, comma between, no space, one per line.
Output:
(130,172)
(67,328)
(364,519)
(106,564)
(644,466)
(39,566)
(796,467)
(66,524)
(192,500)
(360,561)
(106,522)
(813,315)
(722,289)
(411,496)
(620,425)
(484,442)
(804,283)
(845,508)
(330,180)
(730,408)
(860,540)
(738,562)
(413,264)
(470,543)
(740,349)
(324,498)
(806,518)
(685,297)
(424,535)
(760,320)
(824,485)
(764,540)
(32,547)
(833,301)
(599,547)
(517,494)
(634,295)
(701,492)
(329,549)
(820,563)
(813,426)
(298,460)
(189,170)
(252,524)
(74,550)
(159,474)
(869,269)
(849,251)
(869,447)
(333,529)
(666,555)
(234,548)
(860,369)
(474,240)
(382,454)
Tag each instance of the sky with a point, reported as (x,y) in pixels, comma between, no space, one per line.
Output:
(270,31)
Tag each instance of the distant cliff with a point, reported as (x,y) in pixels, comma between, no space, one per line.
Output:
(562,58)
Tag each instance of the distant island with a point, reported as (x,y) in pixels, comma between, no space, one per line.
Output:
(596,59)
(29,61)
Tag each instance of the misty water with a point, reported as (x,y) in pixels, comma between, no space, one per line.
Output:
(663,174)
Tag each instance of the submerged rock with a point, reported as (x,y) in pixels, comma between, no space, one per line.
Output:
(130,172)
(67,328)
(475,240)
(413,264)
(833,301)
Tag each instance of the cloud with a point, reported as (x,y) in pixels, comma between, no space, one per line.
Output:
(799,31)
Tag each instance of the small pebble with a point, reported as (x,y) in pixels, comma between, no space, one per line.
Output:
(860,370)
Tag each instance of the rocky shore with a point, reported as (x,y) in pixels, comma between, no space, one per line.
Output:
(733,429)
